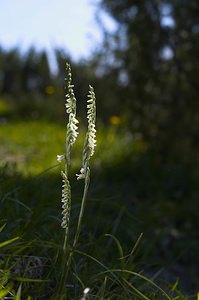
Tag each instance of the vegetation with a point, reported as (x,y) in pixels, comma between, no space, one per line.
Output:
(32,254)
(152,59)
(139,237)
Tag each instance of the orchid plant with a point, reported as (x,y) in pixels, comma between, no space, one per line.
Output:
(88,152)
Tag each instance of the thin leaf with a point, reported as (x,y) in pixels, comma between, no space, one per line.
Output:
(3,244)
(136,290)
(119,249)
(18,295)
(3,293)
(2,227)
(103,289)
(104,267)
(112,271)
(134,247)
(118,244)
(23,279)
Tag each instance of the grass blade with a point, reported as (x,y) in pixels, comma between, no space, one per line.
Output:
(3,244)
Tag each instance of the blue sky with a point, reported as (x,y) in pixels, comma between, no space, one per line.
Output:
(69,24)
(51,23)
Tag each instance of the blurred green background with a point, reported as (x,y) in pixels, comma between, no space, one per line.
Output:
(145,174)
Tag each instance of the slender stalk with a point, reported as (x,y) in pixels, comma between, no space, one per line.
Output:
(67,227)
(86,186)
(71,135)
(64,254)
(88,151)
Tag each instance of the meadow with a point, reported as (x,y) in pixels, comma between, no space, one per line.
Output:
(139,234)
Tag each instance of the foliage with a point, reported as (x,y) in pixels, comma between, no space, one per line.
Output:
(152,60)
(125,185)
(145,174)
(145,72)
(33,90)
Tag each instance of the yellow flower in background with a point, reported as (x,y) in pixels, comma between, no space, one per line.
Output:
(50,90)
(115,120)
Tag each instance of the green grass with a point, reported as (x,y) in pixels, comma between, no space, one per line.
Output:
(33,146)
(131,192)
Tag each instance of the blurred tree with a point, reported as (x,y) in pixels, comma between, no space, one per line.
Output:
(36,71)
(22,74)
(43,70)
(11,68)
(35,91)
(29,75)
(152,58)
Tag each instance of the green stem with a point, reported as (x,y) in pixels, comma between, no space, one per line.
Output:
(87,181)
(64,260)
(67,164)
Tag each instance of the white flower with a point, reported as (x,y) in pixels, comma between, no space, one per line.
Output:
(72,128)
(86,291)
(91,138)
(60,158)
(66,201)
(91,116)
(81,175)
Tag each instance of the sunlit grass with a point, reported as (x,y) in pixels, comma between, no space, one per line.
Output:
(33,145)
